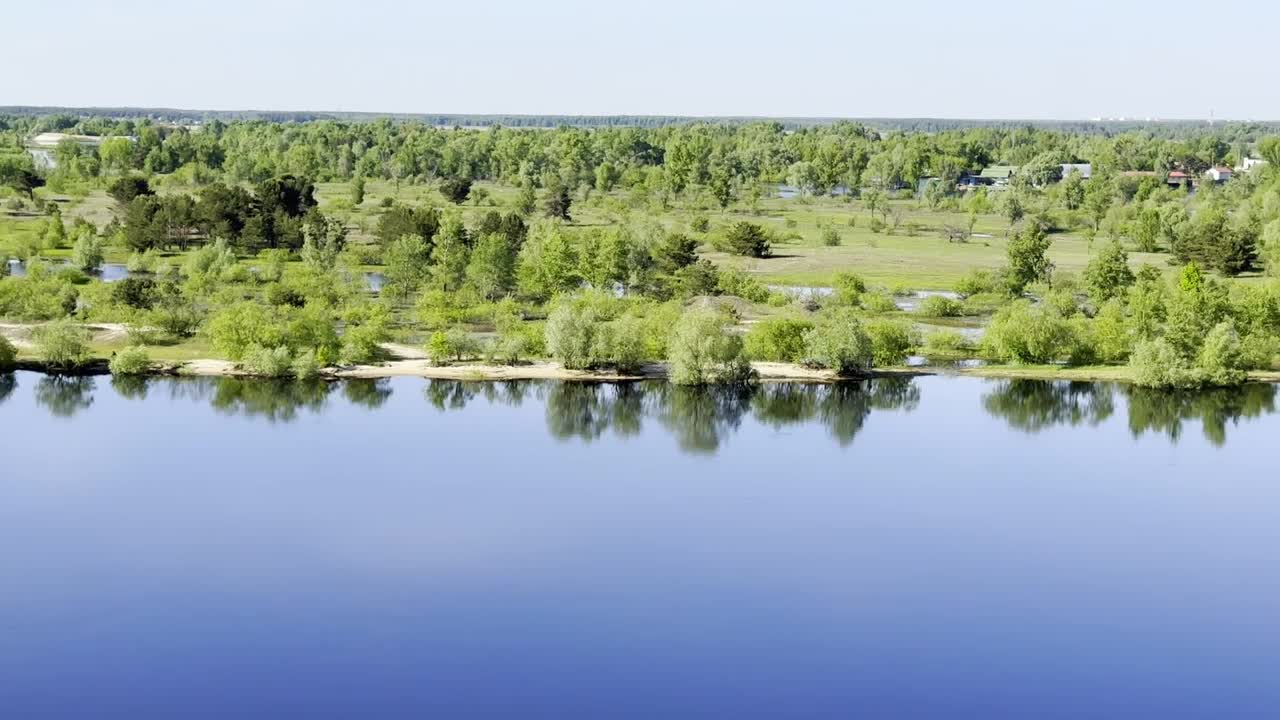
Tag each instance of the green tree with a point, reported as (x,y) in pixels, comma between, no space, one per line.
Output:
(455,190)
(703,349)
(357,190)
(1108,275)
(748,239)
(838,342)
(1028,257)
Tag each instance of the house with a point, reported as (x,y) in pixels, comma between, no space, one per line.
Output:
(1085,169)
(998,175)
(1218,174)
(1179,179)
(1250,163)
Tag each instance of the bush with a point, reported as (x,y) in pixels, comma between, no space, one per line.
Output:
(940,306)
(839,342)
(699,224)
(439,349)
(890,341)
(570,334)
(703,349)
(619,344)
(306,366)
(268,362)
(878,302)
(130,361)
(847,289)
(778,339)
(62,344)
(946,344)
(831,237)
(8,353)
(748,239)
(1022,333)
(740,284)
(976,282)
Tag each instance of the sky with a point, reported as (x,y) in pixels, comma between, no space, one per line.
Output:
(1026,59)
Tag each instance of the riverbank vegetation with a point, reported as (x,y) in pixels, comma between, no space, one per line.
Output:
(288,248)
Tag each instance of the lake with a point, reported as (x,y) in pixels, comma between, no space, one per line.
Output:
(938,547)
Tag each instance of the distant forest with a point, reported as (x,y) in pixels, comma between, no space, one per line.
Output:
(1163,128)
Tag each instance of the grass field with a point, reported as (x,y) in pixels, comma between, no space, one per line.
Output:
(916,256)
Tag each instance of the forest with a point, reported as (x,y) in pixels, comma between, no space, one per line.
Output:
(297,245)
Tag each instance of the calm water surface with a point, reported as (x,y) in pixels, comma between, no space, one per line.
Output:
(936,548)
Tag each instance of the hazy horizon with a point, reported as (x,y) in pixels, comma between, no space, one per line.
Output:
(1004,61)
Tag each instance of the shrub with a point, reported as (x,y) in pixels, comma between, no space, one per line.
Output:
(8,353)
(890,341)
(88,255)
(940,306)
(878,303)
(619,344)
(778,339)
(847,289)
(439,349)
(831,237)
(747,238)
(362,344)
(839,342)
(976,282)
(699,224)
(946,343)
(703,349)
(268,362)
(570,335)
(306,366)
(1022,333)
(62,344)
(740,284)
(130,361)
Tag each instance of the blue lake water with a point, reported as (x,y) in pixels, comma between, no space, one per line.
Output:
(928,548)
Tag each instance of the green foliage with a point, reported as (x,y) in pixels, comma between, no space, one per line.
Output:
(455,190)
(940,306)
(271,362)
(946,344)
(1028,257)
(748,239)
(1023,333)
(778,339)
(62,344)
(847,289)
(704,349)
(8,353)
(570,334)
(305,366)
(976,282)
(132,360)
(891,341)
(838,342)
(1108,275)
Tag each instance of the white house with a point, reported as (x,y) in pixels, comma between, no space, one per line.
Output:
(1250,163)
(1085,169)
(1219,174)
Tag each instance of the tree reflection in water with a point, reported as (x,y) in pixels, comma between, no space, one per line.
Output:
(1163,411)
(700,418)
(65,396)
(1035,405)
(130,387)
(275,400)
(8,383)
(370,394)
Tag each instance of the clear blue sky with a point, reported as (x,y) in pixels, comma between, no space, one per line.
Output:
(980,59)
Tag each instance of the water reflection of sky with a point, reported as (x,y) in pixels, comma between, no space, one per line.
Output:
(413,548)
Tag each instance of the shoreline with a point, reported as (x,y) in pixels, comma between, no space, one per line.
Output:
(766,372)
